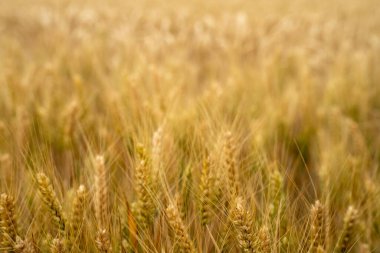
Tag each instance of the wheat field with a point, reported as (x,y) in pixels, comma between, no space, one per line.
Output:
(190,126)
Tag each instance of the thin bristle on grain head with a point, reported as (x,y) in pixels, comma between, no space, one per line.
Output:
(348,233)
(101,192)
(242,221)
(318,227)
(8,221)
(181,237)
(49,197)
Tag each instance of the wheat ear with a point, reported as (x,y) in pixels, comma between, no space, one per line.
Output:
(186,188)
(78,212)
(8,221)
(275,192)
(101,205)
(57,246)
(101,192)
(264,241)
(229,159)
(242,221)
(144,190)
(347,235)
(24,246)
(157,150)
(185,245)
(205,188)
(49,197)
(102,241)
(318,227)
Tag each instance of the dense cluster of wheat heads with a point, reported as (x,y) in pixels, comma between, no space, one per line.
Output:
(190,126)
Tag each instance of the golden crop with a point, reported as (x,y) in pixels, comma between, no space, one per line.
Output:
(190,126)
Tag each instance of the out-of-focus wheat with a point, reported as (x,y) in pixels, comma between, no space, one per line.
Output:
(295,84)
